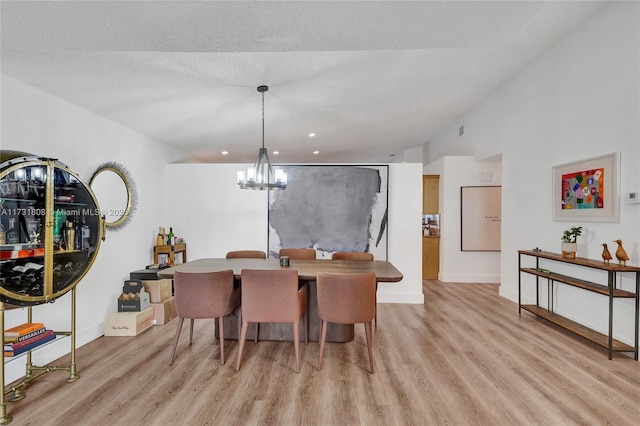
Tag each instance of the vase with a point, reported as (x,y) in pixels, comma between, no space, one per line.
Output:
(569,250)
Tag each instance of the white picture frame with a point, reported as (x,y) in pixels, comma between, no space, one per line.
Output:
(587,190)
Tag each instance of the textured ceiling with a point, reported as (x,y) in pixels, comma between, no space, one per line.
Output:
(369,78)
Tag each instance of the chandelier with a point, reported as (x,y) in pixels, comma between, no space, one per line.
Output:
(261,175)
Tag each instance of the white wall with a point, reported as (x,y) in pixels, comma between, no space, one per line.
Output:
(578,100)
(36,122)
(215,216)
(457,265)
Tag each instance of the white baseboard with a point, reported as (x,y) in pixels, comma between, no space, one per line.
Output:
(460,278)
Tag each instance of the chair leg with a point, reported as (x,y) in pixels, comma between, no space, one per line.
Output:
(175,340)
(221,322)
(243,336)
(296,343)
(323,338)
(191,331)
(376,314)
(367,329)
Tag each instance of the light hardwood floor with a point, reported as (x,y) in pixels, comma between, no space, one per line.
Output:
(465,357)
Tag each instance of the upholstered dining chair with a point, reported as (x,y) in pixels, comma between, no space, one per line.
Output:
(246,254)
(351,255)
(204,295)
(357,255)
(274,296)
(346,299)
(298,253)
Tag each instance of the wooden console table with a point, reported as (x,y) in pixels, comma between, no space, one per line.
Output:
(610,290)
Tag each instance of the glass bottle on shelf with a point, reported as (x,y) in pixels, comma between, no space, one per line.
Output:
(12,232)
(85,235)
(170,237)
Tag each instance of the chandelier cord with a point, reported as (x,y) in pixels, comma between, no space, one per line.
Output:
(262,119)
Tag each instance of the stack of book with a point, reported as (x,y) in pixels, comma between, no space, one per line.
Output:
(26,337)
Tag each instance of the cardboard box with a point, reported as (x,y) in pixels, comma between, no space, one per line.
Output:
(159,290)
(132,286)
(164,312)
(128,323)
(141,302)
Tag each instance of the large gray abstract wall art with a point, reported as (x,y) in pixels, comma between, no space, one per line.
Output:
(331,208)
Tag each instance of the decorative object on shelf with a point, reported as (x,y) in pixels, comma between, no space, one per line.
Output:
(621,254)
(587,190)
(262,175)
(569,245)
(606,255)
(116,192)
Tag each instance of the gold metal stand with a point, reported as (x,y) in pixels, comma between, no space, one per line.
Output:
(33,371)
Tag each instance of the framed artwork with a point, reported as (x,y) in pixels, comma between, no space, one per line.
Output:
(331,208)
(587,190)
(480,218)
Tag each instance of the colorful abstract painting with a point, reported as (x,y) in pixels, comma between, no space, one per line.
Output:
(583,189)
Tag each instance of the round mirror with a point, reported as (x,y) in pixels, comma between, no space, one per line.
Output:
(116,193)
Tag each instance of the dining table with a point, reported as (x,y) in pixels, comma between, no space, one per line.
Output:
(307,272)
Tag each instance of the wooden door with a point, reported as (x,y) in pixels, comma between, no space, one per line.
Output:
(430,244)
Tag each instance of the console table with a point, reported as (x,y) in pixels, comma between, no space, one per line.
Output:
(609,289)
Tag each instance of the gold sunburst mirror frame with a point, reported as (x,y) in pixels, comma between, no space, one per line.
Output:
(116,192)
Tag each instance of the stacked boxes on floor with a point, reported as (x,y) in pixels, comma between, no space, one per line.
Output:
(134,315)
(162,300)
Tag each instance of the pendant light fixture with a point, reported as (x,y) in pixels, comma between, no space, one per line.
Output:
(261,175)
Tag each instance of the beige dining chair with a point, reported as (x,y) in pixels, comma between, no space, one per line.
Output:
(357,255)
(298,253)
(246,254)
(204,295)
(274,296)
(346,299)
(351,255)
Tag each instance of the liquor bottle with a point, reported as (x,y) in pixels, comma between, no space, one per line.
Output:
(85,235)
(170,237)
(12,233)
(160,239)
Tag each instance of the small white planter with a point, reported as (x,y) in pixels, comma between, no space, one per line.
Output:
(569,250)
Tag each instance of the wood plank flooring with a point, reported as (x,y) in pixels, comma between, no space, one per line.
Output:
(465,357)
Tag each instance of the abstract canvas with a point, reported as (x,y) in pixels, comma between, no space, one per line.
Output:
(331,208)
(587,190)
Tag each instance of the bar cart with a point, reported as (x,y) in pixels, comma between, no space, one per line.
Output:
(51,228)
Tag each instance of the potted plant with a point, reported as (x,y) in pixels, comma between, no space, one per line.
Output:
(569,245)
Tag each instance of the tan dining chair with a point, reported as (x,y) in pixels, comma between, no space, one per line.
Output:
(246,254)
(357,255)
(204,295)
(346,299)
(274,296)
(298,253)
(351,255)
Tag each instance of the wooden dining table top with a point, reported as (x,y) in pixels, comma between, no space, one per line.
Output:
(307,269)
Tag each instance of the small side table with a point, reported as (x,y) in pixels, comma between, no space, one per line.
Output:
(170,250)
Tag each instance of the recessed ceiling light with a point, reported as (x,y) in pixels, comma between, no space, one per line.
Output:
(276,152)
(224,152)
(316,152)
(311,135)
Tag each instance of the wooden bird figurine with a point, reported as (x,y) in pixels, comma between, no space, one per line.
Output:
(606,256)
(621,254)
